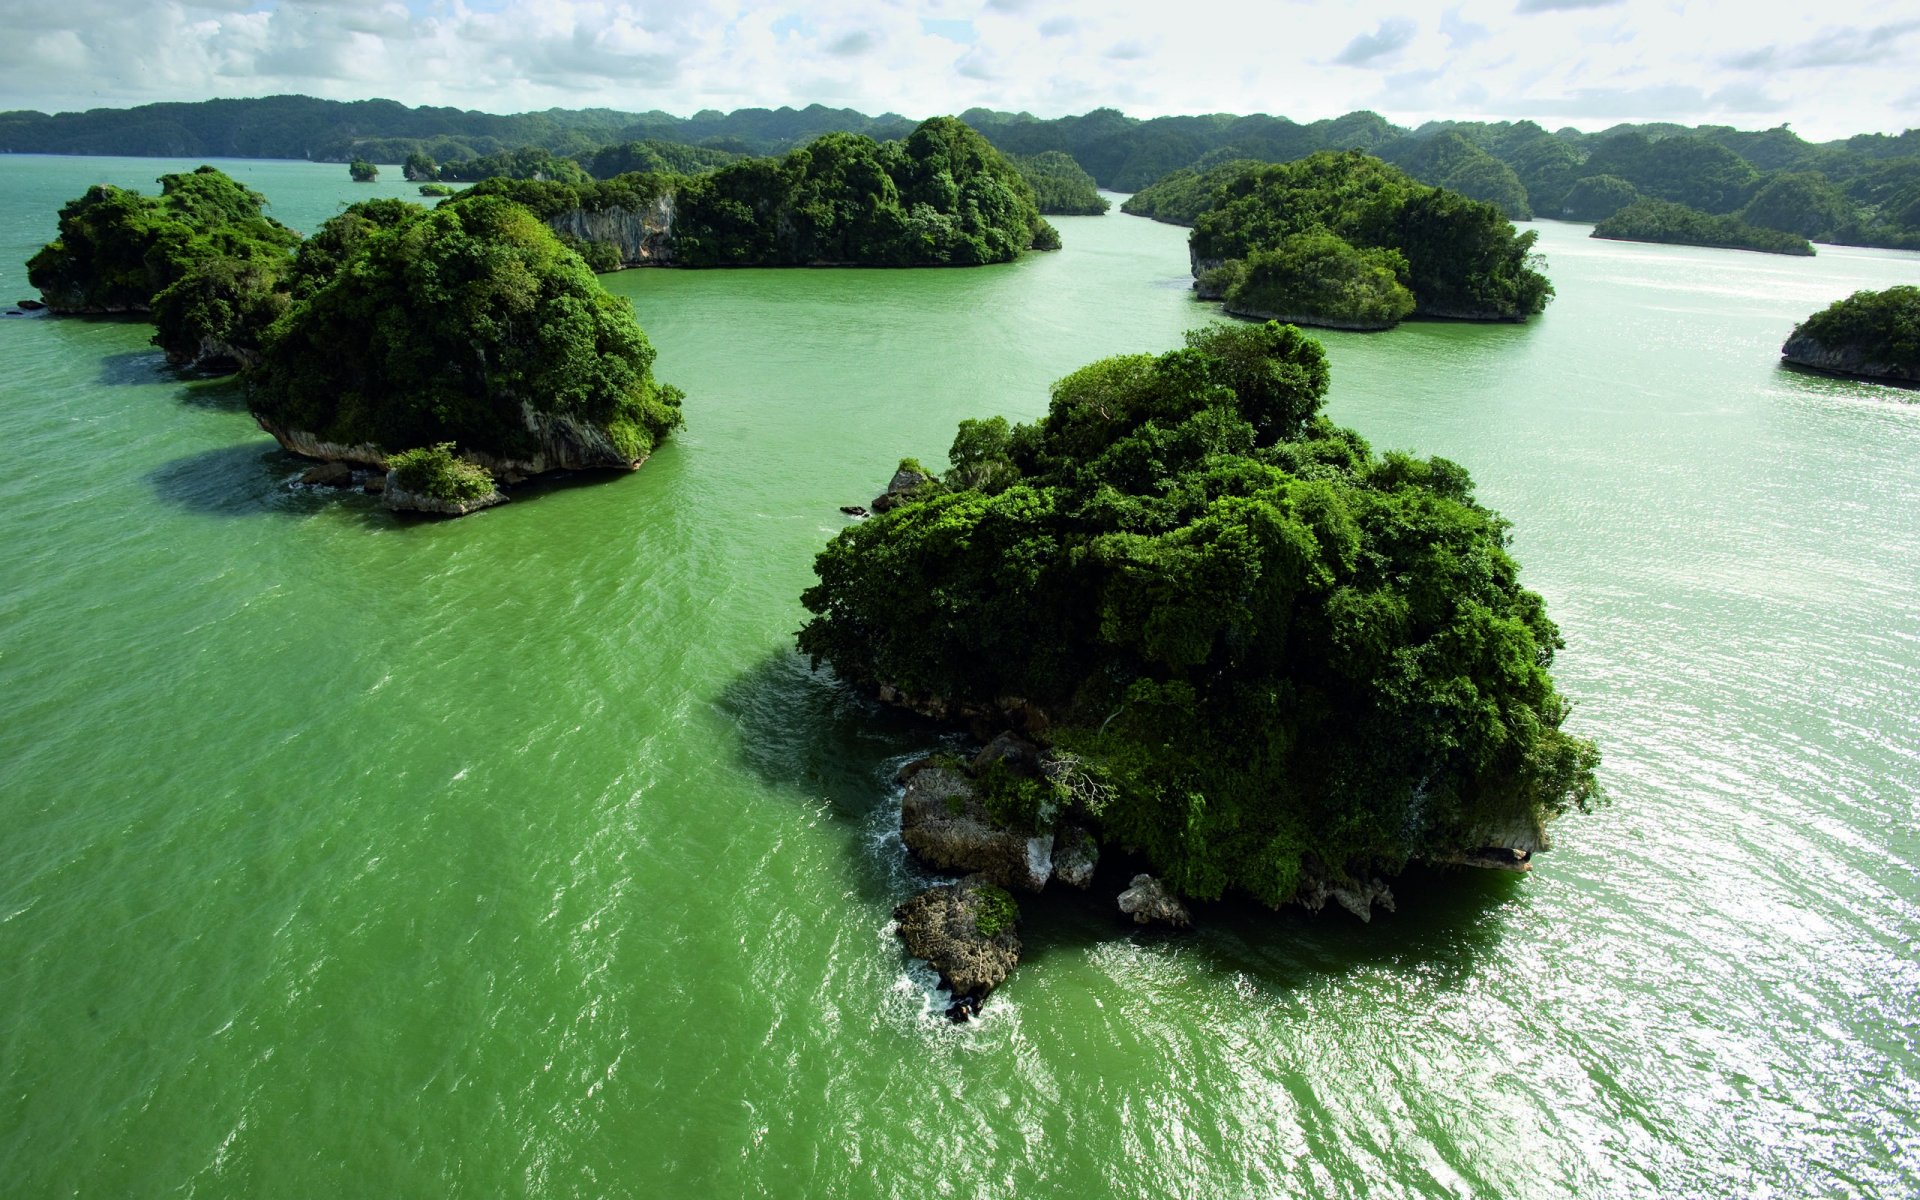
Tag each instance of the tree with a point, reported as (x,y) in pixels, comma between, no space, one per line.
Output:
(363,171)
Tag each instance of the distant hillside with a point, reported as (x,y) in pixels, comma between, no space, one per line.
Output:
(1863,189)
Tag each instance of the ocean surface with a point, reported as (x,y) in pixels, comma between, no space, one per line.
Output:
(520,855)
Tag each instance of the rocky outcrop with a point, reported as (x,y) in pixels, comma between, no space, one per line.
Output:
(905,482)
(1256,314)
(399,499)
(642,238)
(1501,846)
(943,822)
(1803,350)
(560,443)
(1432,312)
(1356,896)
(212,354)
(1075,855)
(968,932)
(1149,902)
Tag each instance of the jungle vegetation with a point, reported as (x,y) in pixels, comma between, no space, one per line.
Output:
(392,325)
(1649,220)
(1714,168)
(1270,657)
(942,196)
(117,249)
(1882,328)
(1061,187)
(1262,246)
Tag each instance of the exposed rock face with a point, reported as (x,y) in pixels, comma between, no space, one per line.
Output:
(561,443)
(1436,313)
(215,355)
(943,821)
(1803,350)
(1075,855)
(966,932)
(1357,897)
(1506,846)
(400,499)
(332,474)
(1305,319)
(1147,901)
(643,238)
(905,481)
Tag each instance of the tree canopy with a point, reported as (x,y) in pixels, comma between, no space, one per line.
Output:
(1269,657)
(1879,327)
(1457,257)
(419,327)
(1060,185)
(1650,220)
(116,250)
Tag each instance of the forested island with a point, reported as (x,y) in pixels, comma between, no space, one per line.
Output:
(1197,622)
(451,351)
(1870,335)
(1347,241)
(1647,220)
(942,196)
(1862,190)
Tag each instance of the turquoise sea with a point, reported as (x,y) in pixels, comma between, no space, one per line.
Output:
(520,855)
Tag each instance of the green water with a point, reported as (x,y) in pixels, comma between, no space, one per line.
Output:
(517,855)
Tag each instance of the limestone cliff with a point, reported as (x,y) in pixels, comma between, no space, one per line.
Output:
(1803,349)
(560,443)
(641,238)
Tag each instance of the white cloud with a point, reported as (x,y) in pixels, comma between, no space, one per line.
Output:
(1841,68)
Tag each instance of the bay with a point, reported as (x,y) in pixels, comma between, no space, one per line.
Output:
(520,855)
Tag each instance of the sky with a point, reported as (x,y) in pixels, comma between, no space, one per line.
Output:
(1828,70)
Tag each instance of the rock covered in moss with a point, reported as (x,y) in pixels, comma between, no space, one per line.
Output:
(943,821)
(968,932)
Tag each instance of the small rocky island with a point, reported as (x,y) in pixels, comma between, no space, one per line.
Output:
(431,356)
(1868,335)
(1196,626)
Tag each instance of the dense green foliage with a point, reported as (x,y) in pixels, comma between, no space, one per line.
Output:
(1180,198)
(443,324)
(116,249)
(1801,203)
(1060,185)
(363,171)
(1597,197)
(434,471)
(1270,656)
(1715,168)
(654,157)
(1883,327)
(1449,160)
(215,313)
(941,197)
(525,162)
(1648,220)
(420,168)
(1319,278)
(1458,257)
(436,189)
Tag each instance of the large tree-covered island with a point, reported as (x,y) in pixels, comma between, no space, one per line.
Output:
(450,350)
(1240,644)
(1347,241)
(943,196)
(1870,335)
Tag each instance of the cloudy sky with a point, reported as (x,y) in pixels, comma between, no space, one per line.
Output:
(1829,69)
